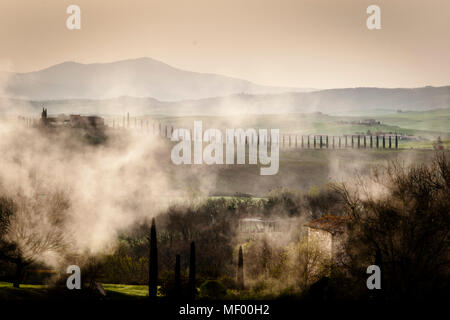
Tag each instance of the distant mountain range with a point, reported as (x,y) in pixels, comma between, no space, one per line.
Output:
(142,77)
(146,86)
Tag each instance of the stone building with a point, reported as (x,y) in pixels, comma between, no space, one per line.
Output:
(328,232)
(72,121)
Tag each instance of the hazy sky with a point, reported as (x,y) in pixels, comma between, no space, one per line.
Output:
(303,43)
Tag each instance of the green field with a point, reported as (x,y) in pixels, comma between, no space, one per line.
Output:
(26,291)
(433,120)
(299,169)
(37,291)
(426,124)
(130,291)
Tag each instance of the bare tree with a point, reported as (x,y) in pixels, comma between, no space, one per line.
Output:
(31,229)
(312,263)
(400,220)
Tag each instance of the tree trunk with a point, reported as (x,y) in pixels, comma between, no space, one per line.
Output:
(18,277)
(240,273)
(153,263)
(177,289)
(191,286)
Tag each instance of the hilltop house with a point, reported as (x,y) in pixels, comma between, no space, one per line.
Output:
(78,121)
(72,121)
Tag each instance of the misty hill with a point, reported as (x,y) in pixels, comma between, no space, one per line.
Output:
(354,101)
(332,101)
(367,99)
(142,77)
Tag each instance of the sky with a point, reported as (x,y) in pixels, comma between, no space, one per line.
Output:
(298,43)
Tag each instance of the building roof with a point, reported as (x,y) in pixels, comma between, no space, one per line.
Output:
(251,219)
(257,219)
(329,223)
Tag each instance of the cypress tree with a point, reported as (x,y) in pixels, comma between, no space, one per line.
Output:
(240,272)
(191,286)
(177,287)
(153,263)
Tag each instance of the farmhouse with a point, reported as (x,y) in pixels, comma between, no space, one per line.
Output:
(328,233)
(72,121)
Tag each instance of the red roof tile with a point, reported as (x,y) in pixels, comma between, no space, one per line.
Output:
(330,223)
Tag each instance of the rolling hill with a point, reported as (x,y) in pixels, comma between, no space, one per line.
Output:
(144,77)
(352,101)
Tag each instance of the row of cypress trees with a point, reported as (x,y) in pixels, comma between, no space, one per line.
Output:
(192,290)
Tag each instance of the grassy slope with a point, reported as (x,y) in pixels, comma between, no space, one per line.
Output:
(303,169)
(25,292)
(125,289)
(433,120)
(36,292)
